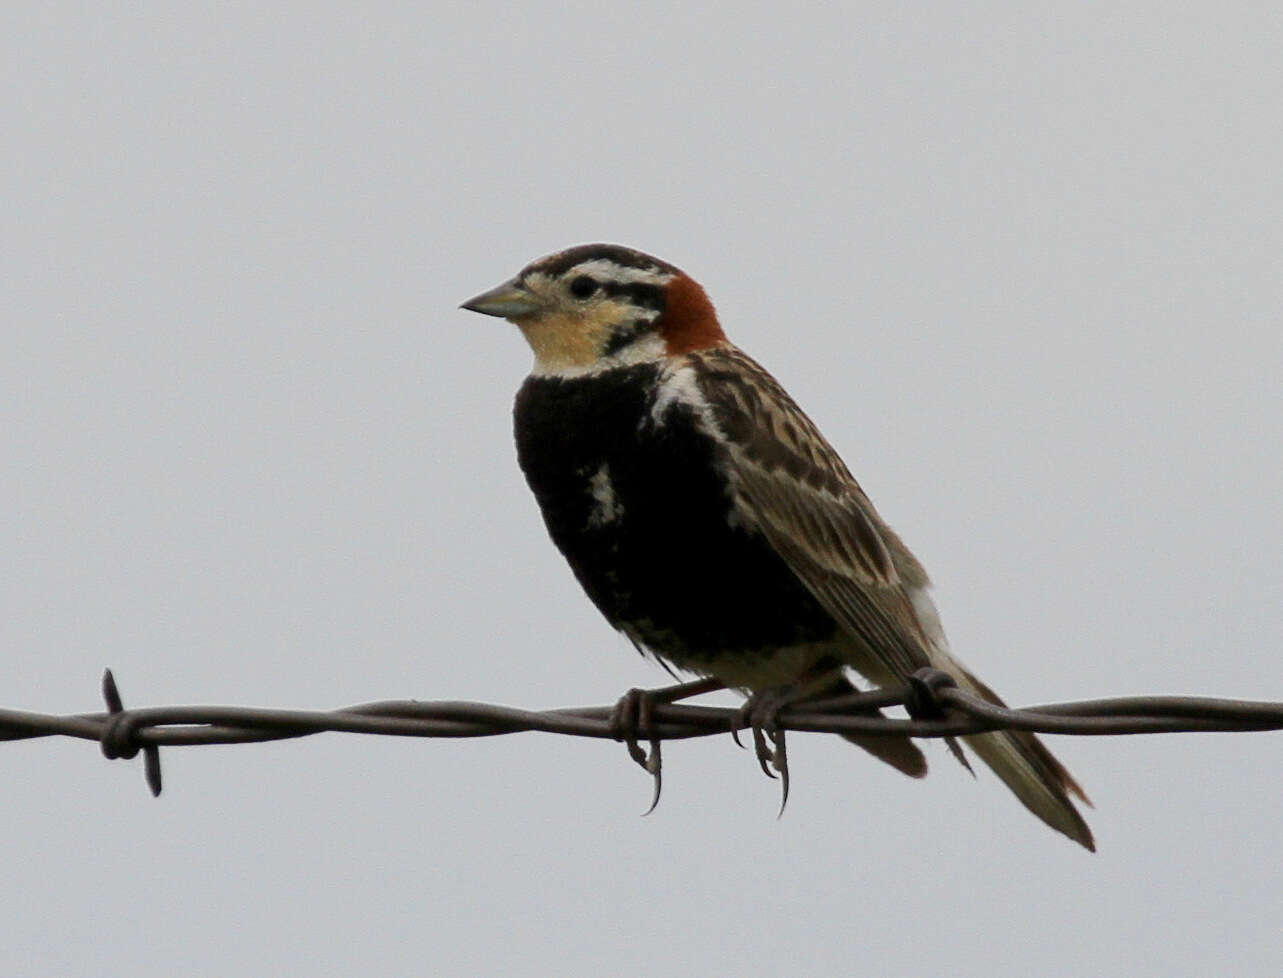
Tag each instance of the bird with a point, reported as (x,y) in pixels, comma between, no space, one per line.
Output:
(708,519)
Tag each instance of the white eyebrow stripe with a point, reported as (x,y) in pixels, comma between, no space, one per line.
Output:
(607,270)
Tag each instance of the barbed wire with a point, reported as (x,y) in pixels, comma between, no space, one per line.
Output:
(936,707)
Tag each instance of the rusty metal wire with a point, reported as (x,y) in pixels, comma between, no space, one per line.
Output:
(937,708)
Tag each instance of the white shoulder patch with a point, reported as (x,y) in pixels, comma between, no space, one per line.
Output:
(678,386)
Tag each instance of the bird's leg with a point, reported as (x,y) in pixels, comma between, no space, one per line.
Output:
(633,716)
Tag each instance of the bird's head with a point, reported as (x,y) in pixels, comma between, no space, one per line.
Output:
(599,306)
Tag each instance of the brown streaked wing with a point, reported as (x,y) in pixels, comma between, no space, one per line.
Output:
(791,484)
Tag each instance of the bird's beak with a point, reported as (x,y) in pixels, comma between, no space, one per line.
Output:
(509,300)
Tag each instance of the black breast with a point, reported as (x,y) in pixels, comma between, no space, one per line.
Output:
(639,507)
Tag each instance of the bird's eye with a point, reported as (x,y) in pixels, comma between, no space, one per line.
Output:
(583,287)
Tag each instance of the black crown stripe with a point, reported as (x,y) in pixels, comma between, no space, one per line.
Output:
(564,261)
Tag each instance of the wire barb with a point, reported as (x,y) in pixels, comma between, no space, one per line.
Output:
(120,735)
(925,689)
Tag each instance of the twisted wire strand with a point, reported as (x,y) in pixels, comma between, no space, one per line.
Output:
(937,709)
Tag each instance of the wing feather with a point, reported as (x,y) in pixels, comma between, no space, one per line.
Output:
(790,483)
(794,488)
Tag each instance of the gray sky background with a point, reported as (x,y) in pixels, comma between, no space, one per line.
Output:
(1023,267)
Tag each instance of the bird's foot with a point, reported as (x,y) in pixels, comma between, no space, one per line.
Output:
(633,718)
(760,714)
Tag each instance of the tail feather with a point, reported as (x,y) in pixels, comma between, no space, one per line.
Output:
(1028,768)
(1018,757)
(900,752)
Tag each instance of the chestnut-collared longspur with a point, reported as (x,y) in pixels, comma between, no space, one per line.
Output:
(706,516)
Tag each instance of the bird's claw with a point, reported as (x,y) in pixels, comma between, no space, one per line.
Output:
(633,714)
(760,714)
